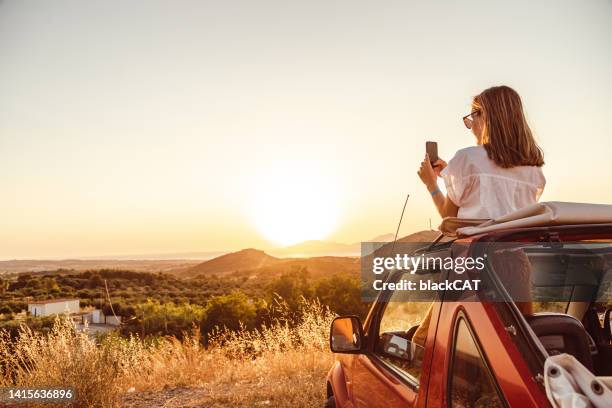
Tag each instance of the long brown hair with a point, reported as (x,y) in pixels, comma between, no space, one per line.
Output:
(506,135)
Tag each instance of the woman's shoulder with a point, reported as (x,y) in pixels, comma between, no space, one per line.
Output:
(468,157)
(474,160)
(471,152)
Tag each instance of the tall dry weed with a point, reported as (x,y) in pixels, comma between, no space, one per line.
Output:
(282,364)
(62,358)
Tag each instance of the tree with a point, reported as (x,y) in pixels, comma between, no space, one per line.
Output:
(155,318)
(291,287)
(95,280)
(342,294)
(50,285)
(230,312)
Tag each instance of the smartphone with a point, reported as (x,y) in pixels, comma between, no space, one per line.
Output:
(432,150)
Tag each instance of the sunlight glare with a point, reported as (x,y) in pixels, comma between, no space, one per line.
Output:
(293,202)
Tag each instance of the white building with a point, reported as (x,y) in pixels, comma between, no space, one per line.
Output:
(53,306)
(112,320)
(96,316)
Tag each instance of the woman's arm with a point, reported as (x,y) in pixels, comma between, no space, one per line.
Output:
(445,205)
(429,176)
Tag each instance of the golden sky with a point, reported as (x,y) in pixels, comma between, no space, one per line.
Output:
(157,126)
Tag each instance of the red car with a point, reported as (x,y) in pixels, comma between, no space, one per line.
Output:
(481,353)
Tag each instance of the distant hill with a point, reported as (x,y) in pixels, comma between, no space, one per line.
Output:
(235,261)
(40,266)
(421,236)
(382,238)
(317,248)
(320,257)
(325,248)
(253,263)
(317,267)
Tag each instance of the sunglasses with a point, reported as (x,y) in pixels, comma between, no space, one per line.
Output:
(469,119)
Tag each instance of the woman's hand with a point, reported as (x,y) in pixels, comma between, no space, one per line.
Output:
(427,174)
(438,166)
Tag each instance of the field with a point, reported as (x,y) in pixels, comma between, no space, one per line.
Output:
(281,365)
(244,329)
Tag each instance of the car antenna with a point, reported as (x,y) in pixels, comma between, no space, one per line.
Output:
(399,223)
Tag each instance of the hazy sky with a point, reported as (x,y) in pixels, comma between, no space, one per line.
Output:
(163,126)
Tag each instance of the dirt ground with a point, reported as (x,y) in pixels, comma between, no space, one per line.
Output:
(187,397)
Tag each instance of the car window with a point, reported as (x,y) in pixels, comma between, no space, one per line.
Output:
(471,383)
(541,277)
(403,328)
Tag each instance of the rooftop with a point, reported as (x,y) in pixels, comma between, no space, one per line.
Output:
(58,300)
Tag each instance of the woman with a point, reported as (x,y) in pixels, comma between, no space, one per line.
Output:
(503,173)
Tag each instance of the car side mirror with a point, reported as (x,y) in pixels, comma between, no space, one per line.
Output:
(346,335)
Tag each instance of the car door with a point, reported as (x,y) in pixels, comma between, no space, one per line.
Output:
(401,335)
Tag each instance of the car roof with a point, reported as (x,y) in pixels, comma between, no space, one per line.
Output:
(552,213)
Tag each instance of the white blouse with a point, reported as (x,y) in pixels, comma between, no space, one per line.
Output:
(482,189)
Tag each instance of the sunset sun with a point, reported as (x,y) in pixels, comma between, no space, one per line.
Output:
(293,202)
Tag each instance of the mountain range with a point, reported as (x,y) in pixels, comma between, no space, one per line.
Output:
(318,256)
(325,248)
(254,262)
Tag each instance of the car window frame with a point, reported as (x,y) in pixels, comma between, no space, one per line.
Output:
(378,312)
(550,237)
(533,352)
(461,316)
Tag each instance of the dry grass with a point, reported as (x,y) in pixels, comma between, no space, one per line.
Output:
(283,365)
